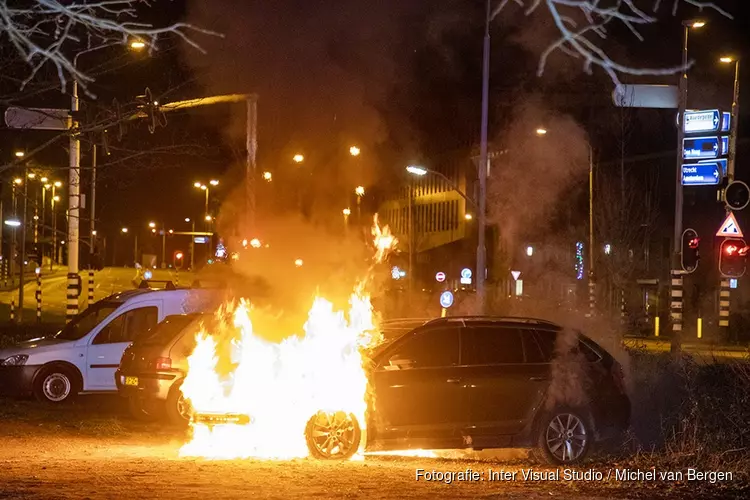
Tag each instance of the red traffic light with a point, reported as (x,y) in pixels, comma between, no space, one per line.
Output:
(693,243)
(731,249)
(178,255)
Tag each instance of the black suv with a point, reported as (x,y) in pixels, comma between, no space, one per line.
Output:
(480,382)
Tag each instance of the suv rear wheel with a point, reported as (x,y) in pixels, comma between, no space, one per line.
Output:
(178,408)
(564,436)
(333,435)
(56,384)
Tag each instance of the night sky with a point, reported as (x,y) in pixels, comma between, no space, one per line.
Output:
(399,79)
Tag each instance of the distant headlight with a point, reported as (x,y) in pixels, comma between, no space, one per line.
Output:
(17,360)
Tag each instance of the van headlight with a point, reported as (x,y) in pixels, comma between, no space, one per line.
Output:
(16,360)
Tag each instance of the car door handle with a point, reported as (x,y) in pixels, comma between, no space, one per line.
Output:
(454,380)
(538,379)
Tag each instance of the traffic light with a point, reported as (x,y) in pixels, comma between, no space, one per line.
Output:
(732,256)
(178,259)
(690,254)
(736,195)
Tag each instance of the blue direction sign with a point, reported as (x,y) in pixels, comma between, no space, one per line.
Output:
(695,148)
(724,145)
(702,121)
(721,162)
(726,121)
(701,174)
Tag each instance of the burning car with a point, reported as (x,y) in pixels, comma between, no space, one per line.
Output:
(457,382)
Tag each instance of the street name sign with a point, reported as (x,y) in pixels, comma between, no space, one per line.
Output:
(698,148)
(38,118)
(702,121)
(730,228)
(701,174)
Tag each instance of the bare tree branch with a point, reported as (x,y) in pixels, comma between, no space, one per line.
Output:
(57,32)
(581,42)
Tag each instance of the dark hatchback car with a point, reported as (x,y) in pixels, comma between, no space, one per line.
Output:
(478,382)
(152,369)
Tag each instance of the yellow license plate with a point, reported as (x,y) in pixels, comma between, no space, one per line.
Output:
(131,381)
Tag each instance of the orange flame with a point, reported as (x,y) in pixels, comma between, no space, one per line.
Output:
(385,241)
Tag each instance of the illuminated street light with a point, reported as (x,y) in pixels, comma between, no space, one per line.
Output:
(695,23)
(18,181)
(47,186)
(124,230)
(267,176)
(152,224)
(415,170)
(607,249)
(468,217)
(153,231)
(209,218)
(255,243)
(93,232)
(214,182)
(346,212)
(31,175)
(13,222)
(298,262)
(298,158)
(44,179)
(137,45)
(171,231)
(726,59)
(359,191)
(197,184)
(354,151)
(204,187)
(19,154)
(56,198)
(187,219)
(529,251)
(58,184)
(541,131)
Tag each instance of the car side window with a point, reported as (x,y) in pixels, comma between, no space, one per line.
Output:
(546,341)
(490,345)
(431,348)
(127,326)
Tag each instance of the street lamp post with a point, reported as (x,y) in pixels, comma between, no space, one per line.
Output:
(192,243)
(731,157)
(21,277)
(55,200)
(676,274)
(360,192)
(483,166)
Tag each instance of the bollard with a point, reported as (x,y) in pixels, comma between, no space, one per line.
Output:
(91,287)
(73,289)
(5,274)
(38,297)
(700,327)
(656,326)
(12,310)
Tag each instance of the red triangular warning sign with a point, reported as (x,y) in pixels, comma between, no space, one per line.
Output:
(730,228)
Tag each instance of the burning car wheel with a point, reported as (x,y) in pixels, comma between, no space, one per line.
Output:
(334,435)
(565,437)
(179,410)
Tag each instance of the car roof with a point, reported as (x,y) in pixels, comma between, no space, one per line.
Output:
(126,295)
(496,320)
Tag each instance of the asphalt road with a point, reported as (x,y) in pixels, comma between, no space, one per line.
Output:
(90,449)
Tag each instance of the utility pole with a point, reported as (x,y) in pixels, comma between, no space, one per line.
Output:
(192,248)
(676,274)
(252,147)
(74,208)
(731,157)
(93,207)
(592,285)
(21,275)
(483,167)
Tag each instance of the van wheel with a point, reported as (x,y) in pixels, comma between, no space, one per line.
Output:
(564,436)
(56,384)
(178,408)
(143,410)
(333,435)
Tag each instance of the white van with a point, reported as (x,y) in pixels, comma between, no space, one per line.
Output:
(83,356)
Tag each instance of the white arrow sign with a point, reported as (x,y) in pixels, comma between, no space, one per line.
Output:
(38,118)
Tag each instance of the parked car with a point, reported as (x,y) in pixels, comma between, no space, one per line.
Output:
(83,356)
(153,368)
(479,382)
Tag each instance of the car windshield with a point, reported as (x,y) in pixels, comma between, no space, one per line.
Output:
(167,329)
(87,320)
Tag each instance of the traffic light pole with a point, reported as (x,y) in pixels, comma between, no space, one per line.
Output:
(676,282)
